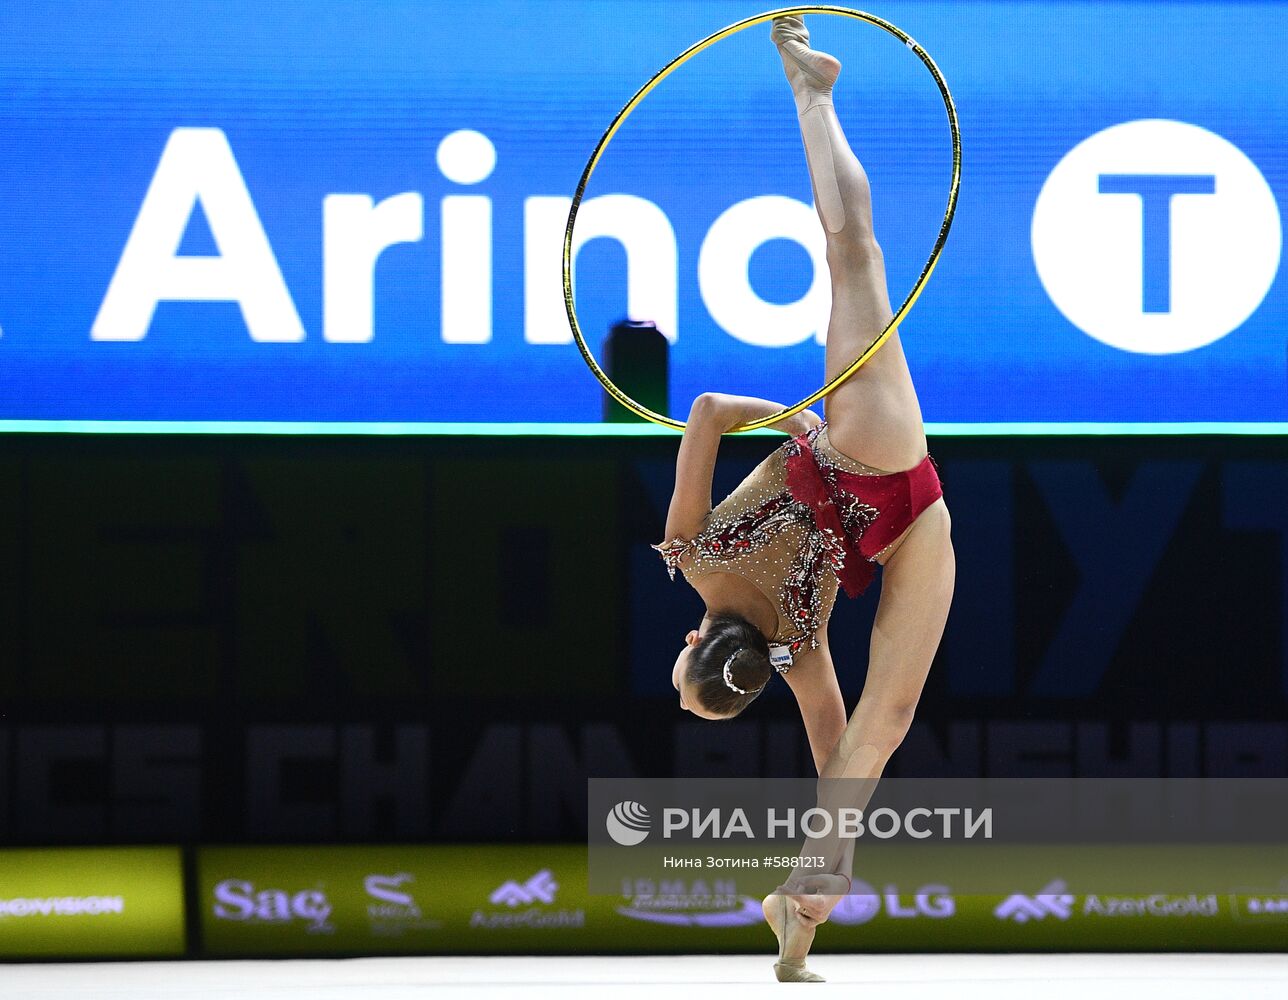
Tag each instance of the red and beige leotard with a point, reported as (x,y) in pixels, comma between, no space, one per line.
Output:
(807,521)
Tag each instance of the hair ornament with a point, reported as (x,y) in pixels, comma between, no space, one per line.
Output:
(728,675)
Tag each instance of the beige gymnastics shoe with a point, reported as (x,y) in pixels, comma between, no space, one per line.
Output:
(805,68)
(794,940)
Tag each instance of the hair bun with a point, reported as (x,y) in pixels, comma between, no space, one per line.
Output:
(730,665)
(747,671)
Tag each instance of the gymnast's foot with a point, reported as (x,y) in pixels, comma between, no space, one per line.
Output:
(794,940)
(810,73)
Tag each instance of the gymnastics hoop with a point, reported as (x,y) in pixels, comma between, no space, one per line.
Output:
(661,75)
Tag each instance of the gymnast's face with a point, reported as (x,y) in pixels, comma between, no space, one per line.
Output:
(680,680)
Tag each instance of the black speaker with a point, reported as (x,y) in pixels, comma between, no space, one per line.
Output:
(636,357)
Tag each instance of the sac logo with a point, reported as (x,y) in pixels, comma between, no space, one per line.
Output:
(1156,237)
(238,900)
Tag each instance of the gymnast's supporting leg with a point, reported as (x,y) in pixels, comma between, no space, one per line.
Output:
(916,591)
(874,416)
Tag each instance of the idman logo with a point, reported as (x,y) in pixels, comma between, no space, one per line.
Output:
(628,823)
(678,903)
(1156,236)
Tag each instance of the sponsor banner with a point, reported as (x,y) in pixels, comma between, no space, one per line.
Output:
(534,899)
(91,902)
(289,900)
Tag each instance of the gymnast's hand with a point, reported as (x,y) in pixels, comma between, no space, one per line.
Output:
(815,896)
(799,423)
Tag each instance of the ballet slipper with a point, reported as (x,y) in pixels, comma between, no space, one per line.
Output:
(815,71)
(793,971)
(811,75)
(794,940)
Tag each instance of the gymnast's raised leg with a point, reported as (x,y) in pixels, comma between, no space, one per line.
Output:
(874,416)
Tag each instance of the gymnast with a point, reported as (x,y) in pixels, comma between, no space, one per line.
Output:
(817,515)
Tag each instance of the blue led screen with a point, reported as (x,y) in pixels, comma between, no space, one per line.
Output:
(309,211)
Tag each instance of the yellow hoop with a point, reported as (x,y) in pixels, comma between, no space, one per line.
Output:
(661,75)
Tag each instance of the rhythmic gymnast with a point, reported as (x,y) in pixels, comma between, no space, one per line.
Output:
(814,517)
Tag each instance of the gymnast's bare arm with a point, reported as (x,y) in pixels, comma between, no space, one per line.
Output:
(711,416)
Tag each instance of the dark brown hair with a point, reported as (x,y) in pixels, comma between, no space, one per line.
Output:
(727,635)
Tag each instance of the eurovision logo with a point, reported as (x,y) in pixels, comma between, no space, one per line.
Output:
(62,906)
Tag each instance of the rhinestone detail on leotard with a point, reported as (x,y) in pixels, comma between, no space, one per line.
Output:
(763,533)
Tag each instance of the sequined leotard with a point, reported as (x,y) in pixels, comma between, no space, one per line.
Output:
(807,521)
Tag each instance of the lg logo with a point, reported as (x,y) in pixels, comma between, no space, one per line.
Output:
(1156,237)
(863,903)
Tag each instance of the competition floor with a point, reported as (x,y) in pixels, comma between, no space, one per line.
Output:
(874,977)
